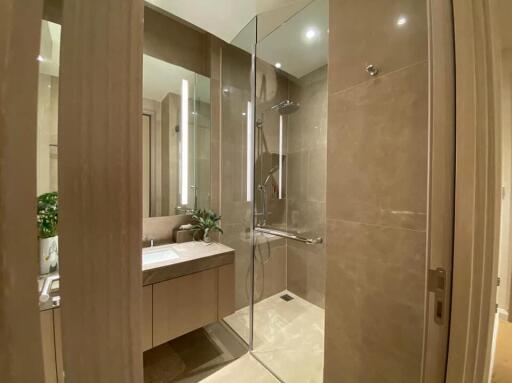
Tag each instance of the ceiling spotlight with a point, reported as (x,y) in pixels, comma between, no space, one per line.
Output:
(40,58)
(278,65)
(311,34)
(402,20)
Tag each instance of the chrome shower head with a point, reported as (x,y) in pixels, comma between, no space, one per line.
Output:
(286,107)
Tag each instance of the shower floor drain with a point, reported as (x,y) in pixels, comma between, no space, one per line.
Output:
(286,297)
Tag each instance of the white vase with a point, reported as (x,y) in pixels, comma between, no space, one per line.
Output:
(48,254)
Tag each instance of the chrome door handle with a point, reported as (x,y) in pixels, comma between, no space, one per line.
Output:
(437,285)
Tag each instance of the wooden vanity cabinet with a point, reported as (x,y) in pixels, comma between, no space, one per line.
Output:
(170,309)
(184,304)
(147,317)
(177,306)
(52,346)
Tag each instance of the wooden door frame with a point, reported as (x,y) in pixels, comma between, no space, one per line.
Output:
(477,198)
(100,190)
(20,331)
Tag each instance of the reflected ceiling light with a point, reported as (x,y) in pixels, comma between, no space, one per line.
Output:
(311,34)
(278,65)
(40,58)
(402,20)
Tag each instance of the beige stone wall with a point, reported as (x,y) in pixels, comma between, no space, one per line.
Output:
(306,183)
(169,151)
(47,117)
(376,192)
(235,210)
(505,119)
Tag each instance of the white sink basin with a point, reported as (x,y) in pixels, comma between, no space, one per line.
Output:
(152,255)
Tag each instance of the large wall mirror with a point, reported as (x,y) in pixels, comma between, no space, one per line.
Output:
(176,139)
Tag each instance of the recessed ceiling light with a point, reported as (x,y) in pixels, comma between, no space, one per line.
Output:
(311,34)
(40,58)
(278,65)
(402,20)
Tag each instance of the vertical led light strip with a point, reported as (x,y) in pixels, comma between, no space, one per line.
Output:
(250,152)
(280,156)
(184,142)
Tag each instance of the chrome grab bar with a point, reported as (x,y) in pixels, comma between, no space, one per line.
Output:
(285,234)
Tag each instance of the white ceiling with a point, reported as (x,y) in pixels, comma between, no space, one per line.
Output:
(49,51)
(222,18)
(282,25)
(160,78)
(289,46)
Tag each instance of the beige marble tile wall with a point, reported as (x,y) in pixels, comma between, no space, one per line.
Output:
(234,208)
(169,151)
(202,154)
(270,254)
(376,191)
(306,177)
(270,261)
(271,89)
(47,116)
(154,109)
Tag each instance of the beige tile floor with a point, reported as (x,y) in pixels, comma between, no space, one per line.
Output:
(288,337)
(502,372)
(243,370)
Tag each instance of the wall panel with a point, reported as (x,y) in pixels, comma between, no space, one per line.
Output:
(20,332)
(100,188)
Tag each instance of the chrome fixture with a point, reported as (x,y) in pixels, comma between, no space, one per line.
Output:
(286,107)
(263,190)
(288,235)
(47,286)
(372,70)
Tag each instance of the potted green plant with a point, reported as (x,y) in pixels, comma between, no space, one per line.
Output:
(207,222)
(47,221)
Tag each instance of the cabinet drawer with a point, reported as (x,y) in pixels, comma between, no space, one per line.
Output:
(184,304)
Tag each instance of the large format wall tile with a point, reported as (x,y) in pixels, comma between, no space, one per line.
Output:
(377,152)
(367,32)
(306,184)
(377,172)
(375,302)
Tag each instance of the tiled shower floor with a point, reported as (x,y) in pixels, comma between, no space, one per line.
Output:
(288,336)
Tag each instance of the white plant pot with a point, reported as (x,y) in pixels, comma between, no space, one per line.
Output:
(48,254)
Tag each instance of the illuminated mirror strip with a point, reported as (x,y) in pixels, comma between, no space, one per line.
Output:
(250,152)
(280,156)
(184,142)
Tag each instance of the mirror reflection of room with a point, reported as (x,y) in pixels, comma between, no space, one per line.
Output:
(176,139)
(47,146)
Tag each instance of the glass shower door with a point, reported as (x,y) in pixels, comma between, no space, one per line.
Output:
(290,187)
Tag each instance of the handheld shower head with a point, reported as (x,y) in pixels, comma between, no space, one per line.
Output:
(269,175)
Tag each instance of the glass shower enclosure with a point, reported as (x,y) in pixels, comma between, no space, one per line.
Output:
(275,107)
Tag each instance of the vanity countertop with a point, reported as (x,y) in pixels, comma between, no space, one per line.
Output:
(187,258)
(192,257)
